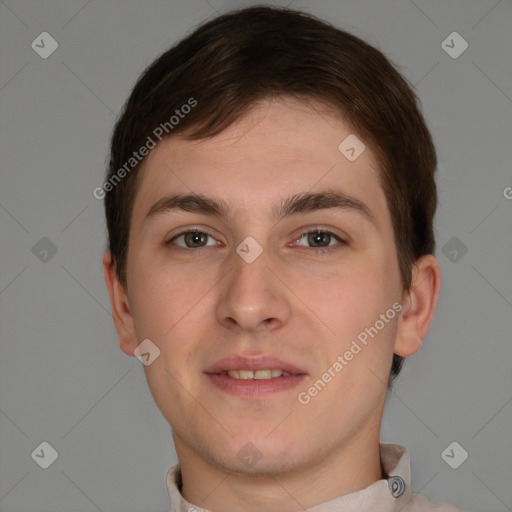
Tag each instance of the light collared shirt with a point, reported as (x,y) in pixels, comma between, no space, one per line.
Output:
(392,494)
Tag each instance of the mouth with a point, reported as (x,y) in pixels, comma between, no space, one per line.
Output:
(254,377)
(258,374)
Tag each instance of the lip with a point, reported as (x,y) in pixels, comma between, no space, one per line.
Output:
(254,388)
(254,364)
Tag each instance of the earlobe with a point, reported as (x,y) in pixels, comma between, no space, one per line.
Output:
(121,312)
(419,306)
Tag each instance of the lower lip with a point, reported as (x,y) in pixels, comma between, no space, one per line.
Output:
(255,388)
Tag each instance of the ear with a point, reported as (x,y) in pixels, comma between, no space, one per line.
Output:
(419,306)
(121,312)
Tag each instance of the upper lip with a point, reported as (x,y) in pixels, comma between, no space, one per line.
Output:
(254,364)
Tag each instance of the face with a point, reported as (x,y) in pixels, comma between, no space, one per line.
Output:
(259,277)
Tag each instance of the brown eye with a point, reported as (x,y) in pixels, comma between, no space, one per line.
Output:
(191,239)
(319,239)
(195,239)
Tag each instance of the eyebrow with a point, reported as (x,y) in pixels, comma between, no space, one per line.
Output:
(297,204)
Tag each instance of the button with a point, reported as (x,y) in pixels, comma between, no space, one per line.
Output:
(396,485)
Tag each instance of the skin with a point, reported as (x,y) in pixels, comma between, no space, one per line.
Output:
(294,302)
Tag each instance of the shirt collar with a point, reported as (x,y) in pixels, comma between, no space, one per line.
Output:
(390,495)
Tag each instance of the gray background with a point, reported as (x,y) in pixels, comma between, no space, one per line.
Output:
(63,378)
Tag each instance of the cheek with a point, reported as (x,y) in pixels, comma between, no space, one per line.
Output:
(350,302)
(355,291)
(172,307)
(158,297)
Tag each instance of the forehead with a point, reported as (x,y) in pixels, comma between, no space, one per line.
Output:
(280,147)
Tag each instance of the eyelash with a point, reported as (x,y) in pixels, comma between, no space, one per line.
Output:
(305,233)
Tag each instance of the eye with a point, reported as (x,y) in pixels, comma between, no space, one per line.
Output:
(319,239)
(191,240)
(314,239)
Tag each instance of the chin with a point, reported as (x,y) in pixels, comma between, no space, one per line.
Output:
(257,456)
(263,467)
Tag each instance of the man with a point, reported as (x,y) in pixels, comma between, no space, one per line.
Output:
(269,201)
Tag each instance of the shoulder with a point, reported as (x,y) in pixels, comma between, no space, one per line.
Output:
(420,503)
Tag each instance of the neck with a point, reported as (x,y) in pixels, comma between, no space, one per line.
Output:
(347,469)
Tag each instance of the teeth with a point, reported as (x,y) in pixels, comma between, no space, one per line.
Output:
(258,374)
(265,374)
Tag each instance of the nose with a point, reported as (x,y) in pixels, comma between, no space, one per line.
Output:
(253,296)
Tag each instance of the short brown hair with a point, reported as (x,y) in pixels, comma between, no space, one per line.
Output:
(235,60)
